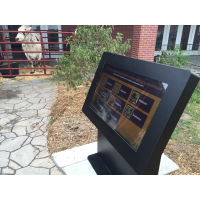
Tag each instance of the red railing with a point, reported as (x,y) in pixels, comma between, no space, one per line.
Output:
(4,52)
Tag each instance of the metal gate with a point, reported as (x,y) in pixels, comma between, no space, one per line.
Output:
(48,52)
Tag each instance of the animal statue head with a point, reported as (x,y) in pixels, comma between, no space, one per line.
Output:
(21,36)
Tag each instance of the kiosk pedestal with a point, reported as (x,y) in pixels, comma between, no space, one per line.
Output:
(108,161)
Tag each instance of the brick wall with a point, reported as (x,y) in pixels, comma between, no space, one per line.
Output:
(144,41)
(127,31)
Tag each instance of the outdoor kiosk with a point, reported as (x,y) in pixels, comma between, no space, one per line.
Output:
(135,106)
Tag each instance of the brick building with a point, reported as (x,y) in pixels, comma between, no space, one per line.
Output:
(146,42)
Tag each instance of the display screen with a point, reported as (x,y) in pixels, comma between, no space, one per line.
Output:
(127,102)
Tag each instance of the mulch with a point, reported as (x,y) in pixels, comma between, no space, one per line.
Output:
(71,128)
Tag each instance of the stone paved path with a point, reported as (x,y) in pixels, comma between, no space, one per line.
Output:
(23,118)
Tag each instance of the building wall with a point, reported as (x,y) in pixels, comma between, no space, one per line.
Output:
(144,41)
(127,31)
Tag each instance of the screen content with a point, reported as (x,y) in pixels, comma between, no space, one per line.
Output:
(127,102)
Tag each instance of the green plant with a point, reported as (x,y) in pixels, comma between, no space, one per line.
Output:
(51,120)
(86,49)
(174,57)
(195,98)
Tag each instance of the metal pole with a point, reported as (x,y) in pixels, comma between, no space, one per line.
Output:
(43,53)
(7,54)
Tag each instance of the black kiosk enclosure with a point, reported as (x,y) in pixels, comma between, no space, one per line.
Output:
(135,106)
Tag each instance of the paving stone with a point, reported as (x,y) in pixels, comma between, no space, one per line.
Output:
(23,119)
(12,144)
(43,162)
(31,95)
(45,134)
(44,90)
(11,117)
(37,106)
(55,171)
(27,141)
(49,105)
(9,135)
(3,115)
(26,91)
(40,140)
(46,119)
(45,95)
(4,121)
(50,99)
(21,95)
(19,130)
(13,165)
(3,101)
(28,105)
(8,170)
(7,106)
(14,101)
(24,156)
(4,162)
(43,128)
(43,100)
(20,105)
(32,171)
(30,122)
(34,100)
(36,133)
(4,154)
(2,138)
(2,111)
(12,111)
(43,112)
(27,113)
(41,148)
(27,87)
(6,129)
(43,154)
(34,128)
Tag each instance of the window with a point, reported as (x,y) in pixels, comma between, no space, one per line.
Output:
(196,43)
(172,37)
(34,27)
(159,37)
(53,37)
(185,36)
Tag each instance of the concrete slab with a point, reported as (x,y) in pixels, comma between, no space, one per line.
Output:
(74,161)
(71,156)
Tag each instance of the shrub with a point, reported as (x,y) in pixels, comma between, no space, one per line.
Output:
(87,45)
(174,57)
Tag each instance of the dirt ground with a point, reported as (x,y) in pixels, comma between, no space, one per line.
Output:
(69,128)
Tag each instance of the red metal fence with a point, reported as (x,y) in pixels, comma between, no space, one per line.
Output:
(47,51)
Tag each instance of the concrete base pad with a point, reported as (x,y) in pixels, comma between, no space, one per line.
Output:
(74,161)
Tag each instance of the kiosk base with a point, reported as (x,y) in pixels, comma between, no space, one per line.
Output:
(98,165)
(111,158)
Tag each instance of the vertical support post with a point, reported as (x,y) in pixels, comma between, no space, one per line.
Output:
(165,37)
(191,37)
(48,45)
(179,35)
(4,39)
(144,42)
(43,52)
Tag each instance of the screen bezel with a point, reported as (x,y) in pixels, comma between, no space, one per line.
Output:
(139,158)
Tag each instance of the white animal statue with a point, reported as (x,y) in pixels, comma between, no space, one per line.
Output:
(30,37)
